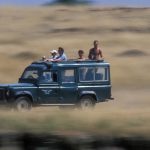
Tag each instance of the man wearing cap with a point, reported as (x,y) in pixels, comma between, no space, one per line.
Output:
(53,55)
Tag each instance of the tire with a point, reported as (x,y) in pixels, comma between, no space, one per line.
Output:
(87,102)
(23,104)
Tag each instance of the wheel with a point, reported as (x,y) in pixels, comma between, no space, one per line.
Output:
(22,104)
(87,102)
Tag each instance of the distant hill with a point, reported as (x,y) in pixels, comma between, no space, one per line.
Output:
(131,3)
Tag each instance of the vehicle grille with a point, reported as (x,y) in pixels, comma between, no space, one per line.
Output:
(2,94)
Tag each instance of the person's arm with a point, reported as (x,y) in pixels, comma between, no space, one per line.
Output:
(62,58)
(100,53)
(90,54)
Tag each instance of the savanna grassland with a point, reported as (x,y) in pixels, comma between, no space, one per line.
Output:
(26,34)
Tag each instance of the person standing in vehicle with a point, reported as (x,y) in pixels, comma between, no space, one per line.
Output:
(81,55)
(95,53)
(62,56)
(53,55)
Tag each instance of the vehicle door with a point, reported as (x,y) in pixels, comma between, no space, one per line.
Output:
(48,87)
(68,86)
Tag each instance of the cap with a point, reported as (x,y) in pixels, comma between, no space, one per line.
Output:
(53,51)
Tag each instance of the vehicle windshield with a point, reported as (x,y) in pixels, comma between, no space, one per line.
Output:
(30,74)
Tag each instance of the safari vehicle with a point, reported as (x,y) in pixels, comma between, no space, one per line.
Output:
(79,84)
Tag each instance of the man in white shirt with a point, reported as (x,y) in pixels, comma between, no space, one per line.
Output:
(62,56)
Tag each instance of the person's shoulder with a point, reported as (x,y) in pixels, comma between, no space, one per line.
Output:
(63,57)
(91,49)
(100,49)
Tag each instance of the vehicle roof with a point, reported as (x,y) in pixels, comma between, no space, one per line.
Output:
(69,63)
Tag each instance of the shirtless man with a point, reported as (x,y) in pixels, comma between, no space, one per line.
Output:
(95,53)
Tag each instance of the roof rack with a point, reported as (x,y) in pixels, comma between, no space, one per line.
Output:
(68,61)
(86,60)
(41,62)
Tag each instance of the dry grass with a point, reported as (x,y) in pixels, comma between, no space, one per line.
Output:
(37,30)
(29,33)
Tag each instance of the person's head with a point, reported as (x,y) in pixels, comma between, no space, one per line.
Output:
(80,53)
(96,43)
(60,50)
(53,52)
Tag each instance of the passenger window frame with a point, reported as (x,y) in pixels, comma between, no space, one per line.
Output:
(49,82)
(67,82)
(105,74)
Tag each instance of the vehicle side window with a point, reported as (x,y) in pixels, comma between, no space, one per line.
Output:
(86,74)
(90,74)
(82,73)
(67,75)
(30,74)
(48,77)
(99,73)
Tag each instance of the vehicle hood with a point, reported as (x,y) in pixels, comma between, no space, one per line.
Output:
(17,85)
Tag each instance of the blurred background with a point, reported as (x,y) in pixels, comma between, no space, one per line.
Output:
(139,3)
(29,29)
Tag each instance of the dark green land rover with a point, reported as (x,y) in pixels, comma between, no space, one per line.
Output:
(73,83)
